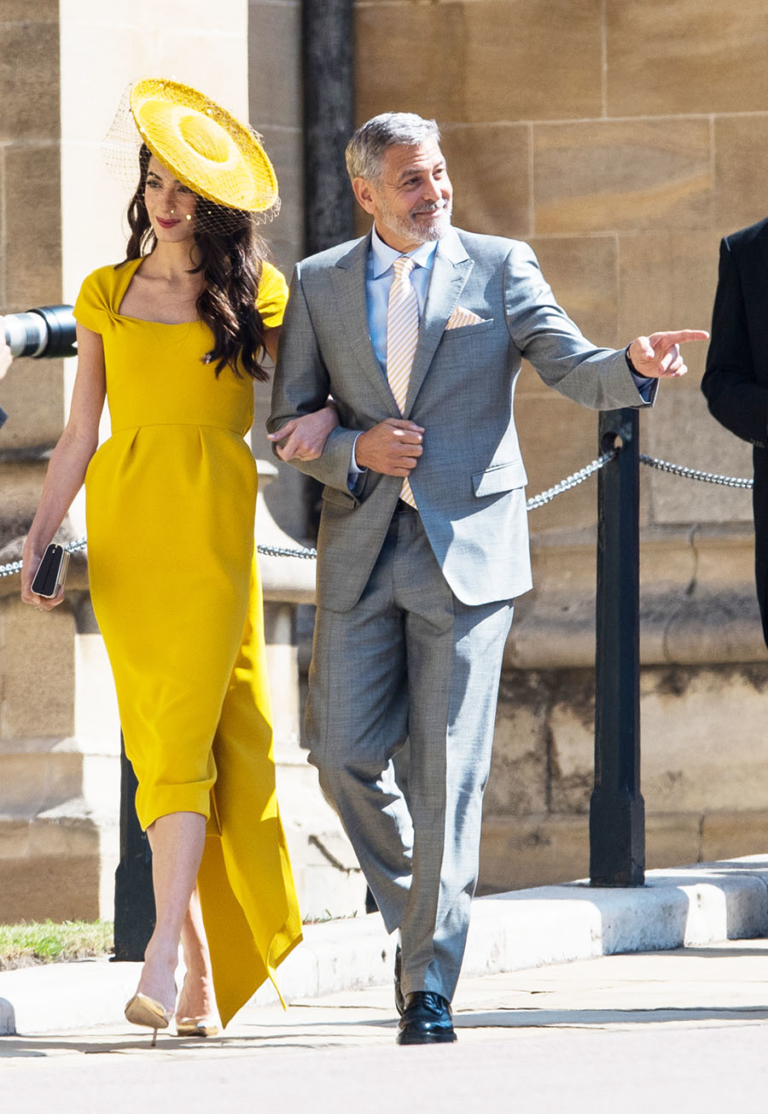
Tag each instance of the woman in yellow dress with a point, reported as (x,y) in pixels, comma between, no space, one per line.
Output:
(172,337)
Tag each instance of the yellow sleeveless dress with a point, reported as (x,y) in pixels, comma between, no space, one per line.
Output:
(170,502)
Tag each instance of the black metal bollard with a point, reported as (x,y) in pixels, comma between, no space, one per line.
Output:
(134,897)
(617,809)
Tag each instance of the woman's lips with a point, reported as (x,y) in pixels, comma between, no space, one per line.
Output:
(167,223)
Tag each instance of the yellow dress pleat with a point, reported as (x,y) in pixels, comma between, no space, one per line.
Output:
(259,932)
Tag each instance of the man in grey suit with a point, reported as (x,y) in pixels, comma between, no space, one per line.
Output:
(423,542)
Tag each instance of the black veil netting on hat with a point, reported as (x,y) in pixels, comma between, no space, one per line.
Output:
(170,130)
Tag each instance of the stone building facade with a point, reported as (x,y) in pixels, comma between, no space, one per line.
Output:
(622,141)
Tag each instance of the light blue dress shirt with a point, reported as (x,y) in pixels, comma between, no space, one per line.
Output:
(379,276)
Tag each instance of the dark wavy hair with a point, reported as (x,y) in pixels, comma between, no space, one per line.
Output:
(230,263)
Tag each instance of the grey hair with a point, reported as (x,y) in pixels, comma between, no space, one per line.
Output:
(365,150)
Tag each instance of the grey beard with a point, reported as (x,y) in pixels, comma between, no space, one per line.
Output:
(410,229)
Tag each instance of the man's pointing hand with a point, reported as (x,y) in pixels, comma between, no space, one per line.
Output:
(658,356)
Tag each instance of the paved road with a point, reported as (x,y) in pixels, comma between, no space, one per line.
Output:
(683,1031)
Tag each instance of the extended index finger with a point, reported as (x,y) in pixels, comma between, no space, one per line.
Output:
(665,341)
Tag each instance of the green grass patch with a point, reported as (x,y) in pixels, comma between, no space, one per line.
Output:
(22,945)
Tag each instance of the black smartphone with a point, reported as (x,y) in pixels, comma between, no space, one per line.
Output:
(50,575)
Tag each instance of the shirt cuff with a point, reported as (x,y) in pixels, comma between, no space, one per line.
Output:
(355,471)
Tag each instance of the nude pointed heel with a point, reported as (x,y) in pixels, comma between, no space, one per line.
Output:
(200,1025)
(197,1027)
(142,1010)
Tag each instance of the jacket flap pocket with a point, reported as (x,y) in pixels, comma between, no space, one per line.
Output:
(500,477)
(339,498)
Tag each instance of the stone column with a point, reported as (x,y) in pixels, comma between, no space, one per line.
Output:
(63,68)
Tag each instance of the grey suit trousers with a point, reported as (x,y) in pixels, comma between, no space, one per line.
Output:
(410,661)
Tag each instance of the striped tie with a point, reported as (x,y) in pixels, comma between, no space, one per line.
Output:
(402,337)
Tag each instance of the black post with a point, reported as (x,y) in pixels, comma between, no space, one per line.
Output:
(617,809)
(327,39)
(134,898)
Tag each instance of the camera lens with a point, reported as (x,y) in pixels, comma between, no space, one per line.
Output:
(46,331)
(26,334)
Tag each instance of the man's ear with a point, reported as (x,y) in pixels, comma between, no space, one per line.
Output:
(364,194)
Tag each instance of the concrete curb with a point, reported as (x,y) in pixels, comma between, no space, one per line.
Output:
(677,908)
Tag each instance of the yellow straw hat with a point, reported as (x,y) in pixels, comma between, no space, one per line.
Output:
(203,145)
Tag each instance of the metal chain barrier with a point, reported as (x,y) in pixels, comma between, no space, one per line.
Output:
(694,473)
(266,550)
(532,504)
(286,551)
(570,481)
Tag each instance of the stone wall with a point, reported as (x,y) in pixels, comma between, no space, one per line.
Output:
(622,141)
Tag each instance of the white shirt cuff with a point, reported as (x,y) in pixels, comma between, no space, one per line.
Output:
(355,471)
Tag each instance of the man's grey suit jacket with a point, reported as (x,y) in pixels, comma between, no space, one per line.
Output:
(470,482)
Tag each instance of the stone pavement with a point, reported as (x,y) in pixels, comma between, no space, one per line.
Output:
(684,1028)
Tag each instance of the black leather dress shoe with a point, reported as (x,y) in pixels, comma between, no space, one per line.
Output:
(399,996)
(426,1020)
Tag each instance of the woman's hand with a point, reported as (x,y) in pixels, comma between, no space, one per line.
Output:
(68,464)
(304,438)
(31,559)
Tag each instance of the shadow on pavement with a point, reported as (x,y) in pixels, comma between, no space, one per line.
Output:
(694,952)
(516,1018)
(301,1034)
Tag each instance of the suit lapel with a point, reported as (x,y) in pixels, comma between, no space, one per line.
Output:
(450,272)
(348,277)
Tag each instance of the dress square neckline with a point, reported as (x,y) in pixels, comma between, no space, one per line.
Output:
(120,298)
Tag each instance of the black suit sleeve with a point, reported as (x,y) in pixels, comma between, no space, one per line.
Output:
(730,384)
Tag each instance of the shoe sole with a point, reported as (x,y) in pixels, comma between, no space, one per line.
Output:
(192,1030)
(426,1038)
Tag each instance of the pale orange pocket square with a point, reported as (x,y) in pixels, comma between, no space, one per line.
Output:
(461,317)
